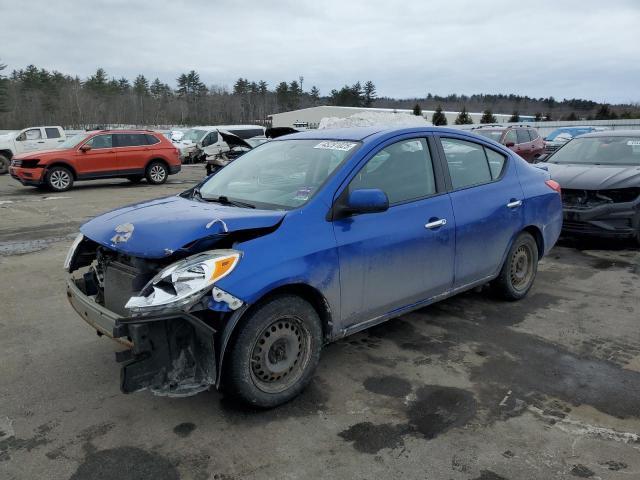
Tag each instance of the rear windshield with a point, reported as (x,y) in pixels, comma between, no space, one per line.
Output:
(600,151)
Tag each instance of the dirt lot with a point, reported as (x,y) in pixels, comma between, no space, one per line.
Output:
(471,388)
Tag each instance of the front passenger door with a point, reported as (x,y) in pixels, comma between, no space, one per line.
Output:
(404,255)
(99,161)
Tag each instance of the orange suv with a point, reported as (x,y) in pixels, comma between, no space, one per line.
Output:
(131,154)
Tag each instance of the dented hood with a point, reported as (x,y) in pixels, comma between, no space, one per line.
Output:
(594,177)
(160,227)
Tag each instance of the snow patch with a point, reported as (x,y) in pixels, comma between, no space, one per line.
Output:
(374,119)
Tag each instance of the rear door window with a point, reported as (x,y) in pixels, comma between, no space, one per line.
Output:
(151,139)
(130,140)
(471,164)
(52,132)
(523,135)
(533,133)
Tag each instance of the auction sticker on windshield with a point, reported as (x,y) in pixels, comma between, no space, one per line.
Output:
(634,143)
(331,145)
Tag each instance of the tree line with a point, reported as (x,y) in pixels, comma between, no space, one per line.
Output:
(36,96)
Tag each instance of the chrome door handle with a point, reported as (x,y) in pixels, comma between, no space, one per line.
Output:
(514,204)
(436,223)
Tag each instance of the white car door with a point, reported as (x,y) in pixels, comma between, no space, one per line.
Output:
(53,137)
(30,140)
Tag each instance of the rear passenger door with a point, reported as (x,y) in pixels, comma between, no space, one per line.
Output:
(487,202)
(396,258)
(54,137)
(132,150)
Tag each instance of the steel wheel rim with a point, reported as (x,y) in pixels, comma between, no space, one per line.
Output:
(280,355)
(521,271)
(157,173)
(60,179)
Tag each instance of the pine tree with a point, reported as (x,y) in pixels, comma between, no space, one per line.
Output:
(515,117)
(369,93)
(417,110)
(538,117)
(141,85)
(547,117)
(314,94)
(438,117)
(572,117)
(488,117)
(463,117)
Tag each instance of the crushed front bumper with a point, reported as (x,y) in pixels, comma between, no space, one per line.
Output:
(170,355)
(614,220)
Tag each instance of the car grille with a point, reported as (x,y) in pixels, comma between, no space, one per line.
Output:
(585,199)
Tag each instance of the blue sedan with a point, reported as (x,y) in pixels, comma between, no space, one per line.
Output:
(240,281)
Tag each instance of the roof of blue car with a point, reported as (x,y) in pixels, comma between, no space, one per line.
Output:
(360,133)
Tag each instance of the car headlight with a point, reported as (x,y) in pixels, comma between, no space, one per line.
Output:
(183,284)
(72,251)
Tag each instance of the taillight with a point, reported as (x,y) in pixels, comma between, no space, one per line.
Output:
(553,185)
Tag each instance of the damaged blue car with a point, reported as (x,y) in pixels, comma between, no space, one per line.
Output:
(238,282)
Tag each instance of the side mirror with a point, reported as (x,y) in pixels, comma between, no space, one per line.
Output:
(21,138)
(369,200)
(85,148)
(509,144)
(545,139)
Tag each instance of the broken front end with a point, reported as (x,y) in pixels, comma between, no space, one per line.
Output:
(605,213)
(168,313)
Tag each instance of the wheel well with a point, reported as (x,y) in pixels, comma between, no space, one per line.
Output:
(7,153)
(65,165)
(537,235)
(161,160)
(311,295)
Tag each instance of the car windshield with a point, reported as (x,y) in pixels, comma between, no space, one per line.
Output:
(193,135)
(567,133)
(71,142)
(600,151)
(492,134)
(278,175)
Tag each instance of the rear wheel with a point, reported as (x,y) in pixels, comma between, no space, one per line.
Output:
(4,164)
(519,269)
(59,179)
(275,352)
(157,173)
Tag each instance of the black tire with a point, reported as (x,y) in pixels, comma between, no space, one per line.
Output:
(4,164)
(135,179)
(275,352)
(519,270)
(59,179)
(157,172)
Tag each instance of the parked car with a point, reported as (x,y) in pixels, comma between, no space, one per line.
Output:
(217,158)
(28,140)
(600,177)
(560,136)
(207,139)
(131,154)
(522,139)
(311,237)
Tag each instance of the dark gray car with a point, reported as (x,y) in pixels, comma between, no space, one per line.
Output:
(600,178)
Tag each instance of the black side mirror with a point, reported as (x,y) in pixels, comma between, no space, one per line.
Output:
(368,200)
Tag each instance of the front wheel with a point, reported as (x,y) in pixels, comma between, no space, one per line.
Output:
(275,352)
(519,269)
(59,179)
(157,173)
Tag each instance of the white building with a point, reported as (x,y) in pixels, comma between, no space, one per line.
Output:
(310,117)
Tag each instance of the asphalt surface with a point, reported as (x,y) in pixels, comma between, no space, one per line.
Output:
(470,388)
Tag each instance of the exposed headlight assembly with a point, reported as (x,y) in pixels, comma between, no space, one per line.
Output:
(184,283)
(72,251)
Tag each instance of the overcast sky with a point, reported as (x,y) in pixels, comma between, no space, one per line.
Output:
(586,49)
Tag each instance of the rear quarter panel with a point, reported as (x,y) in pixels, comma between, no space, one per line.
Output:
(543,206)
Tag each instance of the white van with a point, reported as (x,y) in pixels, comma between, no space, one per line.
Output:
(208,139)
